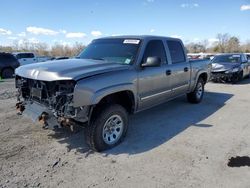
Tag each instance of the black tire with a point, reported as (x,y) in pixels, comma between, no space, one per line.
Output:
(197,95)
(237,77)
(7,73)
(94,133)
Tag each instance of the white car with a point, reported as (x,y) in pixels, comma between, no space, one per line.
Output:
(26,58)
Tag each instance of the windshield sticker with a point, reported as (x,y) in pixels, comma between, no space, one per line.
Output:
(127,61)
(131,41)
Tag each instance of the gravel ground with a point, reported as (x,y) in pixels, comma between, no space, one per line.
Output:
(176,144)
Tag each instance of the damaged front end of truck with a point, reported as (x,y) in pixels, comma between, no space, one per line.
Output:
(49,102)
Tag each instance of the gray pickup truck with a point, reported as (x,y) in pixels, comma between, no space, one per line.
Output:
(111,78)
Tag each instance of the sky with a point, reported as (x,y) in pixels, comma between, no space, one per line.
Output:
(69,21)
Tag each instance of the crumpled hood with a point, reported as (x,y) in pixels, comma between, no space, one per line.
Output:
(218,67)
(70,69)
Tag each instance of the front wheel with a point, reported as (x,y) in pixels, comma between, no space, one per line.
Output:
(237,77)
(197,95)
(108,128)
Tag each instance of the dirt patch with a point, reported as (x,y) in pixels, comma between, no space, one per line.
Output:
(173,145)
(7,95)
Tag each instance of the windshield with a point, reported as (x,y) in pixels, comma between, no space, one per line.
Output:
(123,51)
(227,59)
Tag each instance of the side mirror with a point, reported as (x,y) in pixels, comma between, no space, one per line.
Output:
(152,62)
(244,62)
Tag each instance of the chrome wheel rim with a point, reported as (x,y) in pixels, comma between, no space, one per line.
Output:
(112,129)
(199,91)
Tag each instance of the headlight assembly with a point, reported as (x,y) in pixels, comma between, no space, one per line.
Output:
(235,70)
(232,70)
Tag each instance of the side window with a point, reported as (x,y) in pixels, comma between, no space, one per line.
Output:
(155,48)
(30,55)
(2,58)
(18,56)
(10,57)
(26,55)
(7,58)
(21,55)
(176,51)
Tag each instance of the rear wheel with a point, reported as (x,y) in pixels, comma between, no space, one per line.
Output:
(7,73)
(197,95)
(108,128)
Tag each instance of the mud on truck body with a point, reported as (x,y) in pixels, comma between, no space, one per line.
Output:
(111,78)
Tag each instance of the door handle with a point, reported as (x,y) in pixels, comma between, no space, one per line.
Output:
(168,72)
(185,69)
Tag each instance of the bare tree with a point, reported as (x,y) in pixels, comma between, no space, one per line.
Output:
(222,41)
(66,50)
(233,45)
(225,43)
(42,49)
(78,47)
(195,47)
(246,47)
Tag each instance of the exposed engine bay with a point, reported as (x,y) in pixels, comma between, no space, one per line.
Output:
(48,101)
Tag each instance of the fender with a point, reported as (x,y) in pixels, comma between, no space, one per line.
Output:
(195,79)
(100,94)
(86,96)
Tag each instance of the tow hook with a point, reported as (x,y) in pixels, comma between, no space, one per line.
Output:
(71,123)
(43,120)
(20,108)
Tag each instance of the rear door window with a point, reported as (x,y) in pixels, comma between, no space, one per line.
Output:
(176,51)
(30,55)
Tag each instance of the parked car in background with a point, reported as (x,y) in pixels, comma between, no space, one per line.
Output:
(200,55)
(230,67)
(112,77)
(25,58)
(248,56)
(8,64)
(43,58)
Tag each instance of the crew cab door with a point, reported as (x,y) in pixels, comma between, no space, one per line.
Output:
(179,69)
(153,82)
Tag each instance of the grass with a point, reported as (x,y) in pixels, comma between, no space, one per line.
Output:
(1,80)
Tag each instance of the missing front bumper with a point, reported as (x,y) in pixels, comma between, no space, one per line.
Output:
(222,76)
(37,112)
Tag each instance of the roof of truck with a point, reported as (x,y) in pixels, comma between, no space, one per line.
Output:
(141,37)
